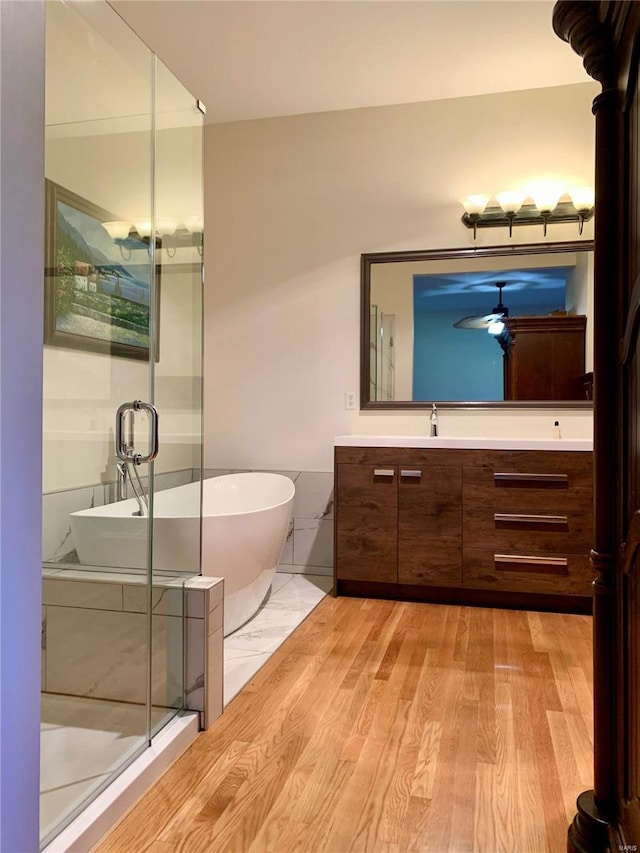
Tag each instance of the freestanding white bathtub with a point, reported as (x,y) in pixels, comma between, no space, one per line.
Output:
(245,521)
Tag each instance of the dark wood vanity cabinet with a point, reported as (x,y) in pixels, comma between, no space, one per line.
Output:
(479,526)
(528,523)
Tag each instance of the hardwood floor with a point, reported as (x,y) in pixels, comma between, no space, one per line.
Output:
(389,726)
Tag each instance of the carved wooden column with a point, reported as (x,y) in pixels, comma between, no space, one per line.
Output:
(579,24)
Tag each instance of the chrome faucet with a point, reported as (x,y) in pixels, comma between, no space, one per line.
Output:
(434,420)
(122,491)
(124,473)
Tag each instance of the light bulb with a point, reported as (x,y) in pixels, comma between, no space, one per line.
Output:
(475,203)
(117,230)
(546,195)
(582,197)
(496,327)
(510,201)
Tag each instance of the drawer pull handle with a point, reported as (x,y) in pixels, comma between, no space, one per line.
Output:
(508,477)
(383,472)
(513,518)
(411,473)
(518,563)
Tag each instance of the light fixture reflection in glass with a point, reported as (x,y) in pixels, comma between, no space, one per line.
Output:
(117,230)
(142,226)
(194,224)
(166,226)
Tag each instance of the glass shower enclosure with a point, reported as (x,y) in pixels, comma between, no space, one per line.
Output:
(122,398)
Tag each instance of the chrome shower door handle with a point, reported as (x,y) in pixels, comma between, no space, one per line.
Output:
(124,447)
(151,410)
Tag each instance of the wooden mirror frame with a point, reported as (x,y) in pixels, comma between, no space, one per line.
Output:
(366,261)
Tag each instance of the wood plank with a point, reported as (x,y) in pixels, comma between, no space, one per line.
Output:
(389,726)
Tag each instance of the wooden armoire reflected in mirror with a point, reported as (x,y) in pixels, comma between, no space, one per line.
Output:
(546,357)
(607,35)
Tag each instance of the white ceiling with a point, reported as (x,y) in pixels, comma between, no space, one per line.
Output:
(249,59)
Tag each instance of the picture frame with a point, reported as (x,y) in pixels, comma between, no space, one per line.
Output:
(98,297)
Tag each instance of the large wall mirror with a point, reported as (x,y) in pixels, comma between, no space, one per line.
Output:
(499,326)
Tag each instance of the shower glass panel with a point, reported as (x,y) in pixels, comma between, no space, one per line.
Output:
(178,375)
(123,324)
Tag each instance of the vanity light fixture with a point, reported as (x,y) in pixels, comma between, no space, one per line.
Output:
(583,199)
(474,206)
(510,202)
(543,206)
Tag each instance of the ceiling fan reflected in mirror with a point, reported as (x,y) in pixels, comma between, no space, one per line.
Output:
(492,323)
(487,322)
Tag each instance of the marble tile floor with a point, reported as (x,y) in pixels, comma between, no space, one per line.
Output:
(292,598)
(84,740)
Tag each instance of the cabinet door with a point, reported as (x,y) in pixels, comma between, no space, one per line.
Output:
(430,526)
(366,523)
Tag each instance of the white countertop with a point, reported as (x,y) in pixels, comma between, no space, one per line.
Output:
(463,442)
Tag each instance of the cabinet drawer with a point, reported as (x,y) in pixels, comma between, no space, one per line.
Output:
(367,485)
(568,574)
(366,544)
(505,487)
(550,530)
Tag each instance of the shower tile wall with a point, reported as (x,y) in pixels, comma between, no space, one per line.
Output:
(108,611)
(309,545)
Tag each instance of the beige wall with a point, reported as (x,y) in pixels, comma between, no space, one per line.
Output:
(291,204)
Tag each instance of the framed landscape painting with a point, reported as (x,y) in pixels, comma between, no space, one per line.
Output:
(96,296)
